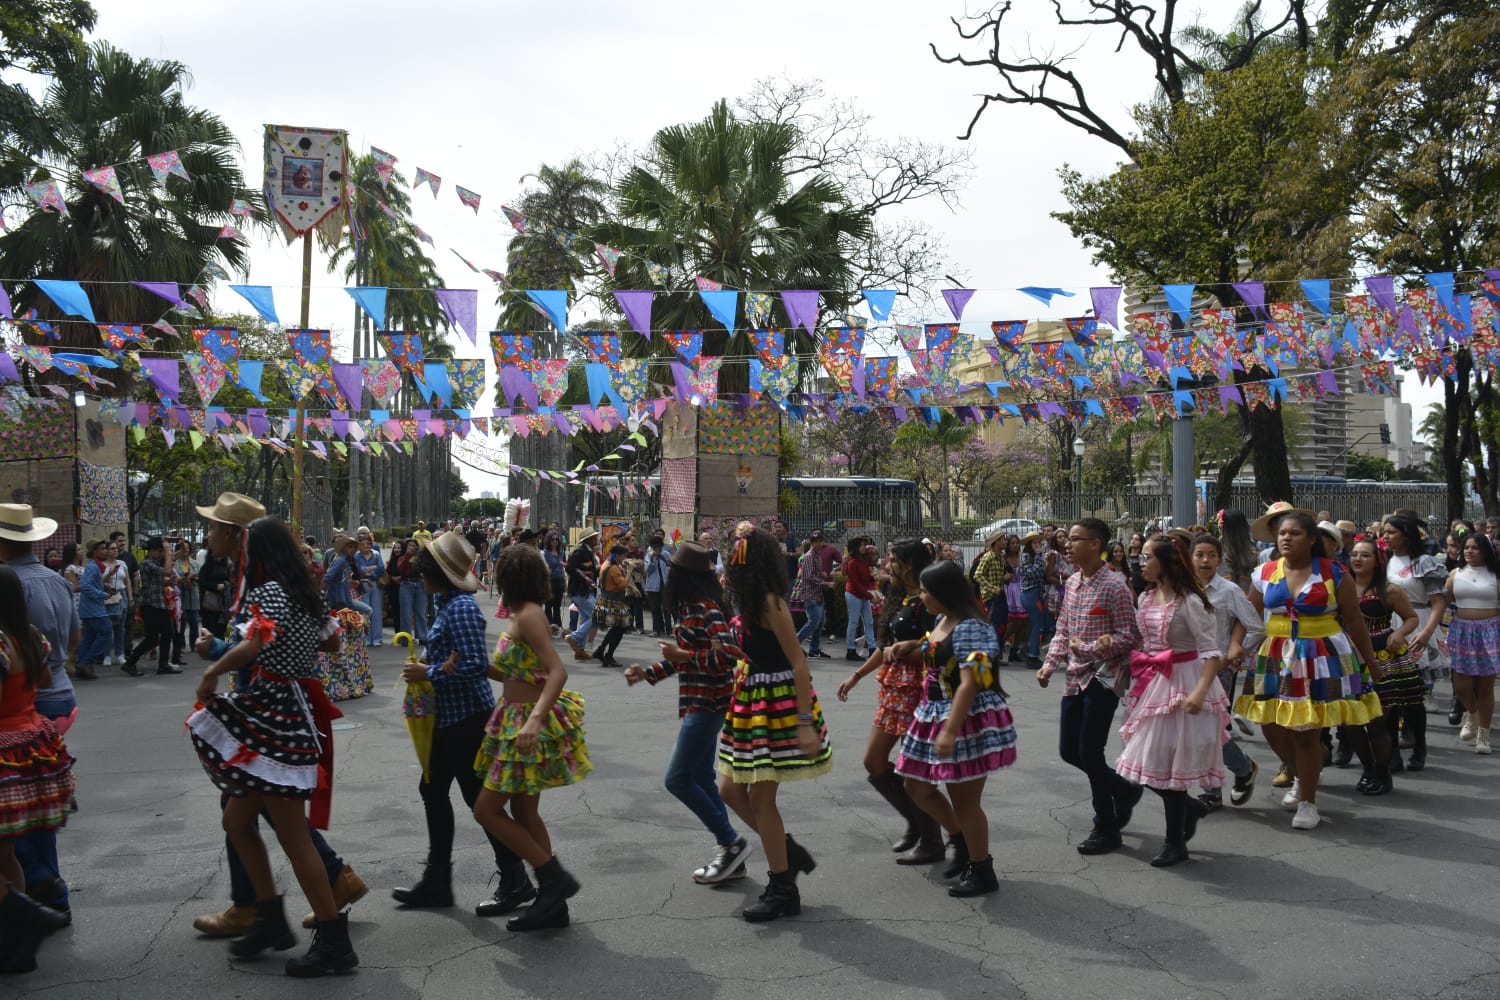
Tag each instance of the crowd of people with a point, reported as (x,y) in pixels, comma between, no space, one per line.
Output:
(1331,637)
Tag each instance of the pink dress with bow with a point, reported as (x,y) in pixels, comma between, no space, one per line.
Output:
(1165,747)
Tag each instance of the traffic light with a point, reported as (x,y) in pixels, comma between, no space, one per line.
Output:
(1385,433)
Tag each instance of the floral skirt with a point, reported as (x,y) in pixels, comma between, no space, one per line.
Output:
(759,738)
(346,674)
(1474,646)
(898,695)
(986,742)
(36,780)
(560,756)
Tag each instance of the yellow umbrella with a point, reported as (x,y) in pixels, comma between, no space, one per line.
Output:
(420,708)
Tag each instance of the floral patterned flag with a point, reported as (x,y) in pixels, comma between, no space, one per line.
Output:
(770,345)
(230,233)
(758,309)
(198,295)
(880,376)
(1379,378)
(910,335)
(632,381)
(208,375)
(847,339)
(603,348)
(705,380)
(219,345)
(433,181)
(467,378)
(1008,332)
(688,344)
(838,364)
(299,379)
(39,358)
(706,284)
(469,198)
(511,348)
(46,195)
(608,256)
(658,274)
(382,378)
(775,380)
(550,376)
(940,339)
(405,349)
(167,164)
(1084,329)
(516,219)
(385,164)
(117,335)
(106,180)
(1153,334)
(240,207)
(311,348)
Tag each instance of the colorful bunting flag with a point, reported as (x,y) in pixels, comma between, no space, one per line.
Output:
(469,198)
(516,219)
(106,180)
(608,256)
(167,164)
(46,195)
(433,181)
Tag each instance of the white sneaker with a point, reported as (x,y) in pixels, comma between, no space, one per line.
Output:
(1466,731)
(1429,702)
(1307,817)
(1293,795)
(1482,741)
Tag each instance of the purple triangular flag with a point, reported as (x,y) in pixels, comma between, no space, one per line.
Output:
(957,298)
(8,371)
(5,309)
(1492,273)
(255,419)
(1253,293)
(340,423)
(683,380)
(801,308)
(1327,382)
(1383,287)
(1106,301)
(350,378)
(164,375)
(637,308)
(461,305)
(165,289)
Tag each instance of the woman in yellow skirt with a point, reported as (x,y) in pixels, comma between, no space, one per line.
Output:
(534,740)
(1306,674)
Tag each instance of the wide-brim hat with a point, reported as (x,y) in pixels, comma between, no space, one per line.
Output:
(528,535)
(1263,528)
(455,557)
(233,508)
(1348,527)
(19,525)
(1030,537)
(1332,531)
(693,557)
(589,537)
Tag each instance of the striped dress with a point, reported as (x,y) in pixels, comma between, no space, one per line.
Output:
(36,770)
(759,739)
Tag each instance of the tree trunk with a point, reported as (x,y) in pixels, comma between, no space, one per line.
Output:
(1453,466)
(945,509)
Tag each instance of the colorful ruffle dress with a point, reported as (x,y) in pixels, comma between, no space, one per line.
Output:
(275,736)
(1400,675)
(561,753)
(900,682)
(36,770)
(759,738)
(1165,747)
(987,740)
(1306,674)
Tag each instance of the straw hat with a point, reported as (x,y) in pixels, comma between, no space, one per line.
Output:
(1332,531)
(1263,528)
(1030,537)
(455,557)
(17,524)
(233,508)
(1347,527)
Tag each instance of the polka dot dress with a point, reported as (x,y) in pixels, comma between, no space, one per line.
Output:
(261,739)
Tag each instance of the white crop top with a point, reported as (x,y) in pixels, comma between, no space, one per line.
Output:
(1474,588)
(1422,579)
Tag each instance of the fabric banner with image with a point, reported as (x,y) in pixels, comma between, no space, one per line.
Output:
(304,178)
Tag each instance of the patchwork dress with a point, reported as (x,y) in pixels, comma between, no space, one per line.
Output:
(1306,674)
(36,770)
(987,740)
(561,753)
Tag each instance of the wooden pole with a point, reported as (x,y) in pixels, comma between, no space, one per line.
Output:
(297,440)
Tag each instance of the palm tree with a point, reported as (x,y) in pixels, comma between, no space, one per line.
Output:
(110,108)
(944,434)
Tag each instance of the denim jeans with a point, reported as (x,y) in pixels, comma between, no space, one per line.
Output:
(36,851)
(585,605)
(1037,617)
(117,626)
(98,641)
(858,610)
(691,776)
(1087,719)
(377,617)
(414,609)
(812,632)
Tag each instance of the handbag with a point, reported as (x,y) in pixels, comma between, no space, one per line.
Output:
(383,581)
(212,600)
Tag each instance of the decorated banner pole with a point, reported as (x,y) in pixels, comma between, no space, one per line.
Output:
(298,440)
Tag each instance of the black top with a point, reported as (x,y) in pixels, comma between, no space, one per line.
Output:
(583,568)
(911,621)
(764,650)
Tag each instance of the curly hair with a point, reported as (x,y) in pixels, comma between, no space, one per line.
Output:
(757,571)
(271,553)
(522,576)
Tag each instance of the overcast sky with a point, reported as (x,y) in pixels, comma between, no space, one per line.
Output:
(482,93)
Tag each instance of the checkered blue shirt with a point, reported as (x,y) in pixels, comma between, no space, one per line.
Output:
(459,626)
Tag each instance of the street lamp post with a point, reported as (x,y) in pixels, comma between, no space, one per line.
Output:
(1078,476)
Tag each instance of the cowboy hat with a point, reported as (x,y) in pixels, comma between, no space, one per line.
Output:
(1263,528)
(1332,531)
(233,508)
(588,538)
(1030,537)
(17,524)
(693,557)
(455,557)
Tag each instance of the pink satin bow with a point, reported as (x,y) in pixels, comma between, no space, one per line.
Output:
(1144,666)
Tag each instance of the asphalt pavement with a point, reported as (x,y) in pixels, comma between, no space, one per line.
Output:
(1390,897)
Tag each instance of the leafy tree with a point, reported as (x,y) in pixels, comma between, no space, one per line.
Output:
(1357,466)
(997,478)
(859,441)
(109,107)
(924,454)
(36,36)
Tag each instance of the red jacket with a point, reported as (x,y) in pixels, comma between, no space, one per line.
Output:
(858,580)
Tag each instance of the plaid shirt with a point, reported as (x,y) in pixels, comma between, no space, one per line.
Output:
(459,627)
(706,682)
(1093,607)
(990,575)
(153,585)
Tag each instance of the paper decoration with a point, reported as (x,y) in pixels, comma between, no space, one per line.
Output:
(636,305)
(164,376)
(260,299)
(511,348)
(239,207)
(405,350)
(230,233)
(165,165)
(199,296)
(608,256)
(550,377)
(423,236)
(706,284)
(435,384)
(105,179)
(880,301)
(603,348)
(1180,301)
(1044,295)
(469,198)
(164,289)
(554,302)
(350,378)
(6,310)
(300,381)
(370,298)
(467,378)
(46,195)
(219,346)
(758,309)
(305,169)
(516,219)
(117,335)
(704,380)
(658,274)
(1106,302)
(688,344)
(382,378)
(769,345)
(251,372)
(68,296)
(207,374)
(957,298)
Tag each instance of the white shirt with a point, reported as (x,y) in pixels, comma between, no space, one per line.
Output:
(1230,606)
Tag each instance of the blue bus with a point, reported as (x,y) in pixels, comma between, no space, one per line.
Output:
(884,508)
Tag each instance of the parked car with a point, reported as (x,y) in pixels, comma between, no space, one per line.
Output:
(1018,526)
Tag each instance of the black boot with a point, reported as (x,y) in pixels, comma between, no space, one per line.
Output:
(977,880)
(557,886)
(331,953)
(270,930)
(434,888)
(1380,782)
(23,924)
(1417,723)
(960,860)
(929,849)
(515,889)
(781,898)
(797,858)
(893,789)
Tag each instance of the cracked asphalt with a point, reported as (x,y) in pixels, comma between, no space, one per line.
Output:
(1391,897)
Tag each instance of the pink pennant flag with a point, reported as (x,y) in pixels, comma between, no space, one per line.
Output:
(167,164)
(516,219)
(105,179)
(46,195)
(239,207)
(433,181)
(608,256)
(468,197)
(230,233)
(707,284)
(385,163)
(422,235)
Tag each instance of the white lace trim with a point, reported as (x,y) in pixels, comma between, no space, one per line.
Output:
(208,728)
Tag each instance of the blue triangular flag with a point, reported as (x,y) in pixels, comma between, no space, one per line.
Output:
(435,382)
(1183,401)
(721,306)
(1439,281)
(1317,292)
(69,296)
(554,301)
(600,386)
(260,299)
(880,301)
(371,298)
(1180,301)
(1044,295)
(249,378)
